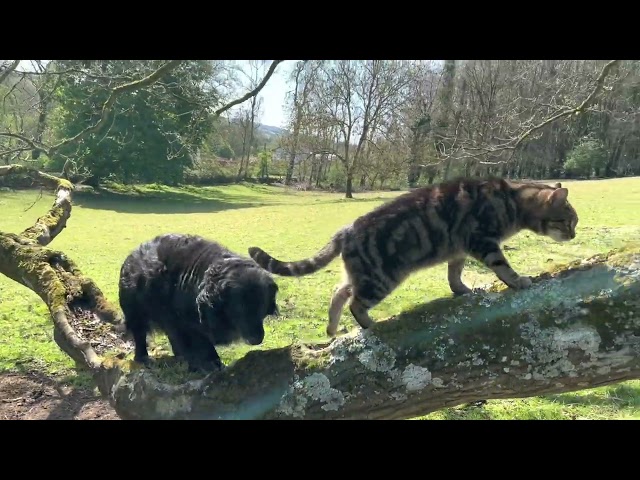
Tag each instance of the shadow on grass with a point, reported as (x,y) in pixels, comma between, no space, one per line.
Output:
(355,200)
(189,199)
(166,202)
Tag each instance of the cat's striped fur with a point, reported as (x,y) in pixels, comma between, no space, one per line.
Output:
(430,225)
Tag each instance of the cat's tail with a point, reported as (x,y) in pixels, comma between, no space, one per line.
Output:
(302,267)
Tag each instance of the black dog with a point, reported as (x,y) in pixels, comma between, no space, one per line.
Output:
(196,291)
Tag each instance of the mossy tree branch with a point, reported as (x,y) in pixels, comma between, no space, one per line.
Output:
(576,328)
(47,227)
(75,302)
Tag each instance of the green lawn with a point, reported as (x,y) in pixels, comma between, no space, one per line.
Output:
(292,225)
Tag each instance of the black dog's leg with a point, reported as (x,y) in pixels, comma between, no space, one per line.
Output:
(180,344)
(194,348)
(137,324)
(140,340)
(202,354)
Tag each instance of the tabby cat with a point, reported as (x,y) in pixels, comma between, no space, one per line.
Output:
(431,225)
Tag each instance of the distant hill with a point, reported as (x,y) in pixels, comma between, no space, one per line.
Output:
(271,132)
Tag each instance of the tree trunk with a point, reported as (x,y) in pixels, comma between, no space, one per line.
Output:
(42,124)
(349,189)
(244,147)
(372,183)
(292,155)
(420,133)
(575,328)
(251,135)
(446,98)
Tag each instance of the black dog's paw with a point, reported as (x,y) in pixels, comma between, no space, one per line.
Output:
(206,366)
(145,361)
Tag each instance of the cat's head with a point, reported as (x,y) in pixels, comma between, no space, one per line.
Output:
(551,214)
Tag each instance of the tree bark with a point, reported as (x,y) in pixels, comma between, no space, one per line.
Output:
(577,327)
(349,186)
(292,154)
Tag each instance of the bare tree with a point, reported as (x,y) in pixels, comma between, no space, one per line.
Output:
(248,118)
(354,96)
(418,111)
(480,137)
(304,77)
(518,118)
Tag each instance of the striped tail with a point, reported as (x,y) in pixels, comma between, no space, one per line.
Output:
(302,267)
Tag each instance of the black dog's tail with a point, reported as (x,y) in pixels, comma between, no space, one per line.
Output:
(301,267)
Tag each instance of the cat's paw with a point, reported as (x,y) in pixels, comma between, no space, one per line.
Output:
(523,283)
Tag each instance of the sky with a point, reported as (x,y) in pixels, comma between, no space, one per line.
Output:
(273,94)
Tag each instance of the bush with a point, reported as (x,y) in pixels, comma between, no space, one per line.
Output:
(585,158)
(211,171)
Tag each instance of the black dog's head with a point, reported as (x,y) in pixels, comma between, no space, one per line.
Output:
(234,302)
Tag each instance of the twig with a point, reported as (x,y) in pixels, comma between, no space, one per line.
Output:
(36,201)
(253,92)
(7,71)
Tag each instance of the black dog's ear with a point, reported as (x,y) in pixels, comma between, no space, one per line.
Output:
(212,291)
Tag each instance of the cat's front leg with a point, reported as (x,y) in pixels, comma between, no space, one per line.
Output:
(490,253)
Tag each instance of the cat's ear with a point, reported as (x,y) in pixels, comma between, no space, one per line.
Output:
(558,196)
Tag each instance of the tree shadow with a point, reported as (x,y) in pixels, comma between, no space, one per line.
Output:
(193,199)
(356,200)
(166,202)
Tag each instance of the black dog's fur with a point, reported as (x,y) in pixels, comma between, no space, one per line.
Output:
(197,292)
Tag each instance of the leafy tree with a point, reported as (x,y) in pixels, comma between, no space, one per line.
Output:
(587,156)
(225,151)
(154,133)
(264,158)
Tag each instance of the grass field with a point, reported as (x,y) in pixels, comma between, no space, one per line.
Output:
(292,225)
